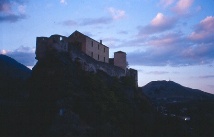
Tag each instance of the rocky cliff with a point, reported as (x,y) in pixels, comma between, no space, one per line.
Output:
(66,100)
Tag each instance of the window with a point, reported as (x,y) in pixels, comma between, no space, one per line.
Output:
(98,57)
(104,59)
(98,46)
(92,54)
(104,49)
(92,43)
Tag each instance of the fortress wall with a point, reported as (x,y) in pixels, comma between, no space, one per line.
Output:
(41,47)
(120,59)
(91,65)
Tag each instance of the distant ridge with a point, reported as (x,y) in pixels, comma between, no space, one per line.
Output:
(170,89)
(11,69)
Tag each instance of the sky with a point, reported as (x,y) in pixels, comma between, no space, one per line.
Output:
(164,39)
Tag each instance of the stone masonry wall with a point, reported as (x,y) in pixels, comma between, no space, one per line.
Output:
(91,65)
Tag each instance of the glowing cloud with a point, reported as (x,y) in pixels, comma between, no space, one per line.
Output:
(3,52)
(159,24)
(204,31)
(183,6)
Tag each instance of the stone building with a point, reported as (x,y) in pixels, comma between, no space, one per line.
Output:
(43,44)
(91,47)
(120,59)
(94,54)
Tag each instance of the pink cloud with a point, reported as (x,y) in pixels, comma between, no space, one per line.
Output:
(204,31)
(160,23)
(166,3)
(4,52)
(5,7)
(182,6)
(165,40)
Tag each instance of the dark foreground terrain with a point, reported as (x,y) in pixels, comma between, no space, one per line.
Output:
(57,98)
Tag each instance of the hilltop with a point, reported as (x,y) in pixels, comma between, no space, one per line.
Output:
(171,90)
(12,76)
(12,69)
(62,99)
(182,110)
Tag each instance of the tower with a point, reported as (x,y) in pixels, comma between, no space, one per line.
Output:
(120,59)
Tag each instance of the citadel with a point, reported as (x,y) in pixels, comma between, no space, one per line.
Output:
(92,55)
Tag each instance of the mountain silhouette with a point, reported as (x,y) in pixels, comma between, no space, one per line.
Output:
(11,69)
(12,76)
(169,89)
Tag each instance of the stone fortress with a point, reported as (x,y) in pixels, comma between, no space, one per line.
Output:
(93,55)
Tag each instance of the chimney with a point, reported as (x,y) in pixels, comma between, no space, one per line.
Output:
(100,41)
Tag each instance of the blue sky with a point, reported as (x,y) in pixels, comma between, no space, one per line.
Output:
(164,39)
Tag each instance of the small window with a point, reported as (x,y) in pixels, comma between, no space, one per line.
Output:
(98,46)
(104,59)
(92,54)
(98,57)
(92,43)
(104,49)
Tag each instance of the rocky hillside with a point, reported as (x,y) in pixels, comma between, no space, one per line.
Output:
(166,90)
(182,111)
(12,75)
(11,69)
(64,100)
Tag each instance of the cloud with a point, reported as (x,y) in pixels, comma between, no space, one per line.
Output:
(96,21)
(4,52)
(8,12)
(179,54)
(211,86)
(166,3)
(166,39)
(206,76)
(12,18)
(24,55)
(157,72)
(204,31)
(111,41)
(63,2)
(159,24)
(202,53)
(173,49)
(182,6)
(69,23)
(123,32)
(88,21)
(116,14)
(22,9)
